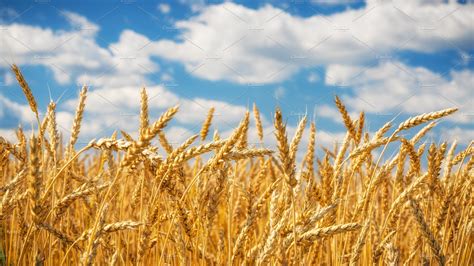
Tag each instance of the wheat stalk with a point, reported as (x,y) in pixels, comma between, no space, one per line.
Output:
(228,202)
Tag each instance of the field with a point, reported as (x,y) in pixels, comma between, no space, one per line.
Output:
(220,201)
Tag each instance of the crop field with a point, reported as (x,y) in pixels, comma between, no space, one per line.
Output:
(215,200)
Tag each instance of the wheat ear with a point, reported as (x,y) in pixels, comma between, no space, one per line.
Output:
(423,118)
(346,118)
(207,124)
(144,120)
(26,90)
(258,122)
(426,232)
(355,255)
(76,125)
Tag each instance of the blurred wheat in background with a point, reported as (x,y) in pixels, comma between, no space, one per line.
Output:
(119,201)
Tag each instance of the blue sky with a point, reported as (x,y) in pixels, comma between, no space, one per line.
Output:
(385,58)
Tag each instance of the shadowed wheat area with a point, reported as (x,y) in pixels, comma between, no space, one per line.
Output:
(216,201)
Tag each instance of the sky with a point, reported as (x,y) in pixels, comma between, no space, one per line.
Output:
(390,59)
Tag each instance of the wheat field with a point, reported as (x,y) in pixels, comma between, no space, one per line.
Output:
(223,201)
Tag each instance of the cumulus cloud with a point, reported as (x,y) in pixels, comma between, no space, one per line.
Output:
(80,23)
(194,5)
(8,134)
(264,45)
(268,44)
(21,111)
(313,77)
(164,8)
(279,93)
(8,79)
(66,53)
(461,135)
(392,87)
(328,111)
(114,75)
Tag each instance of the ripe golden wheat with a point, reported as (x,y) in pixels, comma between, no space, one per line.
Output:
(228,202)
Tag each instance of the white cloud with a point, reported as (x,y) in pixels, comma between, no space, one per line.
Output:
(66,53)
(80,23)
(461,135)
(164,8)
(328,111)
(8,79)
(313,77)
(166,77)
(8,134)
(195,110)
(268,45)
(194,5)
(114,74)
(177,135)
(334,2)
(21,111)
(265,45)
(392,87)
(279,93)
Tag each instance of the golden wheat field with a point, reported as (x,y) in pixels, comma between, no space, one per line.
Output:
(216,201)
